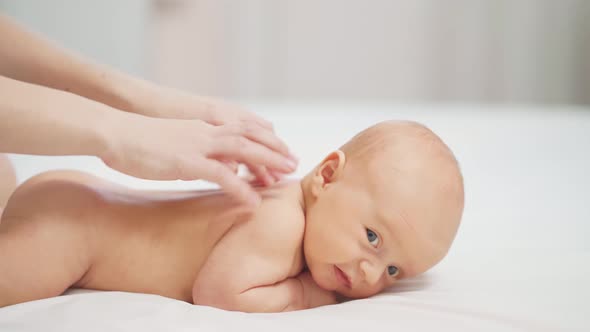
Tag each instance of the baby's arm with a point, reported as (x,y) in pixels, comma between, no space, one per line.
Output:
(294,293)
(249,269)
(313,295)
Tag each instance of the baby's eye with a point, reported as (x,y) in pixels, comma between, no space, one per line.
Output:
(392,270)
(373,238)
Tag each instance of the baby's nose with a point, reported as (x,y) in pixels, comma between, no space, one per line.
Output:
(371,271)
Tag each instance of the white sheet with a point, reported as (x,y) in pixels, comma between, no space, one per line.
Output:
(520,261)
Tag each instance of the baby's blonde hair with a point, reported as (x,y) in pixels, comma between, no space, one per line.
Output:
(390,134)
(386,138)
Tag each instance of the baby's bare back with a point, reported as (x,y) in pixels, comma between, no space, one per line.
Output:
(104,236)
(155,246)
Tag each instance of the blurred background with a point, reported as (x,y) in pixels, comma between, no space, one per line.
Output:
(407,51)
(506,83)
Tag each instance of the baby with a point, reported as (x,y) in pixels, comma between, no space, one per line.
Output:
(383,207)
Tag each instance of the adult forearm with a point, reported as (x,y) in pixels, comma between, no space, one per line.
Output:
(28,57)
(40,120)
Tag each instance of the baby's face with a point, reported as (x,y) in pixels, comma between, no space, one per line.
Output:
(364,231)
(348,247)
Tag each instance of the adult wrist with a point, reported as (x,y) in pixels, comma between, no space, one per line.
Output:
(110,132)
(124,92)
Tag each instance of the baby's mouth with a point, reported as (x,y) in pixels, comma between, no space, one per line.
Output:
(342,277)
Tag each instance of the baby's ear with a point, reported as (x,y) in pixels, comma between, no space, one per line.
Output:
(328,171)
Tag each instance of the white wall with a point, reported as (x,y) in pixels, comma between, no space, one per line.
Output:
(525,51)
(110,31)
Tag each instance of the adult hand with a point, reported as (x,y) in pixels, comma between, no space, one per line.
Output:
(173,149)
(65,123)
(162,102)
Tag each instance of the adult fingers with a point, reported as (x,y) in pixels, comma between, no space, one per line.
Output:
(276,175)
(214,171)
(261,135)
(262,122)
(262,174)
(232,165)
(244,150)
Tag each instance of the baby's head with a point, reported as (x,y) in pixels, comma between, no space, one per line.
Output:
(385,206)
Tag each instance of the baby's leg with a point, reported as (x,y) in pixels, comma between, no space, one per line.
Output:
(43,240)
(7,181)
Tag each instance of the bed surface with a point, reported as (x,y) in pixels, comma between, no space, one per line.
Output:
(520,262)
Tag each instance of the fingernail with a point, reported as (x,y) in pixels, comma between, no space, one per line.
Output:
(293,157)
(291,164)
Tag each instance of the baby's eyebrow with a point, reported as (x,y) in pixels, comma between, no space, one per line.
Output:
(392,239)
(385,222)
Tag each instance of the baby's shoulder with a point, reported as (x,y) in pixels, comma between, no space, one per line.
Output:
(279,222)
(271,238)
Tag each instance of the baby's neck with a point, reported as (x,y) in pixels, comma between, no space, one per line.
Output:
(291,189)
